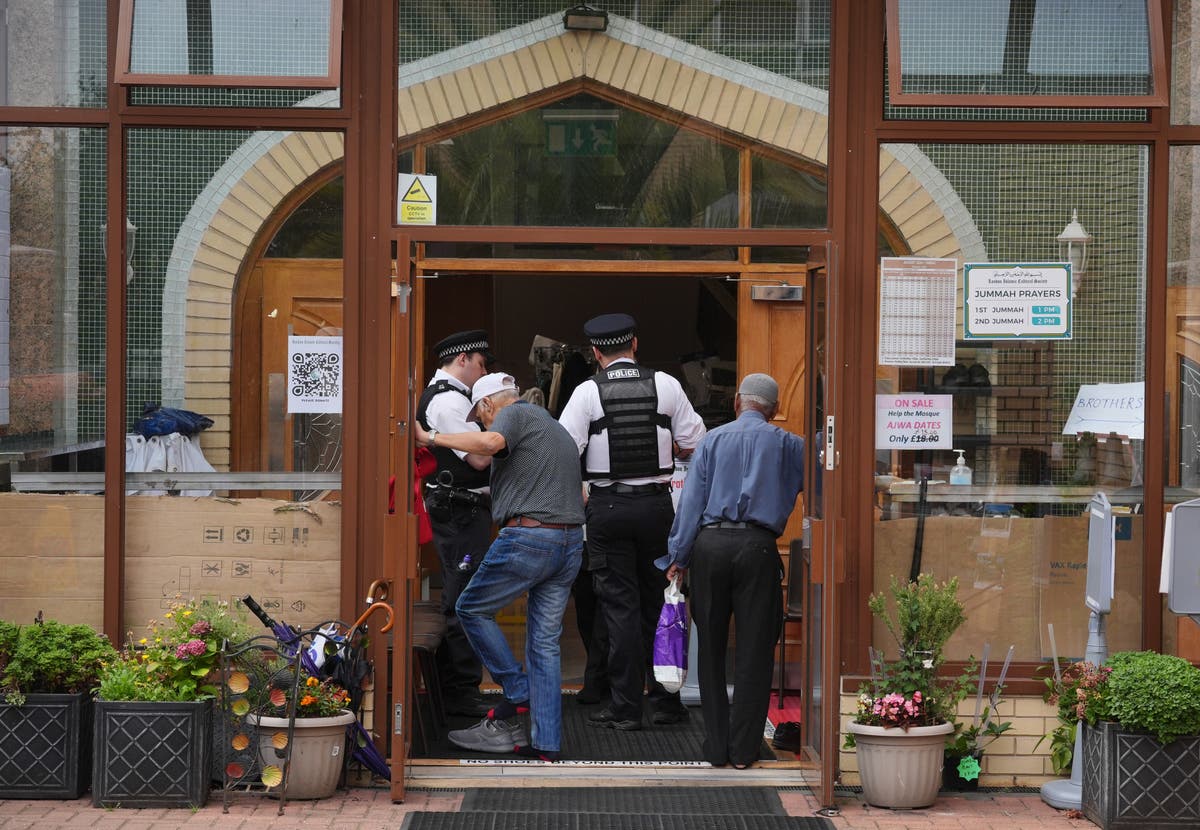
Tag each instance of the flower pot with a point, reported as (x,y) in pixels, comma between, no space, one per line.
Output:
(900,769)
(1130,780)
(46,746)
(952,779)
(318,752)
(151,754)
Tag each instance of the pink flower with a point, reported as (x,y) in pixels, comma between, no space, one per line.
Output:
(192,648)
(199,629)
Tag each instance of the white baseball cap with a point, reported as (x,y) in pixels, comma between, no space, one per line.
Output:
(489,385)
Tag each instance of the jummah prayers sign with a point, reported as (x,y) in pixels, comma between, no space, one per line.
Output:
(1025,301)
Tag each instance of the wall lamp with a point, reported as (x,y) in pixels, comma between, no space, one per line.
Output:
(1073,248)
(584,18)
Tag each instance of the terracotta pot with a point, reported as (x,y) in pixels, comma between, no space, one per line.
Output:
(318,752)
(900,769)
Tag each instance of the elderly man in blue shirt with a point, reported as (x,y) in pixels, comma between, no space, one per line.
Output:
(740,489)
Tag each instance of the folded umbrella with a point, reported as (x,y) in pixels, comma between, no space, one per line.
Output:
(288,636)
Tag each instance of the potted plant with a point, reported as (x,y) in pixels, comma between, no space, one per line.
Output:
(964,749)
(1073,691)
(905,716)
(314,749)
(1141,741)
(47,672)
(153,726)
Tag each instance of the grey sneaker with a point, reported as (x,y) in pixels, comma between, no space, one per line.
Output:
(490,735)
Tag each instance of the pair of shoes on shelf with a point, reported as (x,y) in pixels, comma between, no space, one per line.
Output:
(470,704)
(491,735)
(605,719)
(787,736)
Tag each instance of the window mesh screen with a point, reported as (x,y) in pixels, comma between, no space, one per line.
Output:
(1025,47)
(231,37)
(288,38)
(1020,198)
(787,37)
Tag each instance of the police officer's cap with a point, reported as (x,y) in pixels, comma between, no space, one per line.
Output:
(462,342)
(610,329)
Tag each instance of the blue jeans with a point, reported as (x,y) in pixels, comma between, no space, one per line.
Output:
(543,562)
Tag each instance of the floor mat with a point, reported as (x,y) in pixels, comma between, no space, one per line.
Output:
(608,821)
(661,800)
(680,742)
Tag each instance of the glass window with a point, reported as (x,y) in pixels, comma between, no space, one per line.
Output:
(785,37)
(1183,329)
(1022,53)
(54,53)
(52,373)
(585,162)
(1185,57)
(253,347)
(782,196)
(1013,528)
(268,43)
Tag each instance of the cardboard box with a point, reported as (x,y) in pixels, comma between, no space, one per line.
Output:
(52,558)
(287,555)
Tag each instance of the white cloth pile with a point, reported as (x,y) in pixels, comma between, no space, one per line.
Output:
(172,453)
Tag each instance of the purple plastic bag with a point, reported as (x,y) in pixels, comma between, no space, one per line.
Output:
(671,640)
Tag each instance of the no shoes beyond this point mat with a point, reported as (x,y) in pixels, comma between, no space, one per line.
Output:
(618,808)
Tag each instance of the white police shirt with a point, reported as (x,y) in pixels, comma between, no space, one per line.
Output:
(687,428)
(448,412)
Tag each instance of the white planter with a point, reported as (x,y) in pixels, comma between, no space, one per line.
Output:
(318,752)
(900,769)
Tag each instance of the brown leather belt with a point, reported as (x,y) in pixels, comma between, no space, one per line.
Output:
(525,521)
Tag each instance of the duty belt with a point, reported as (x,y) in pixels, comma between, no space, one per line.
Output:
(633,489)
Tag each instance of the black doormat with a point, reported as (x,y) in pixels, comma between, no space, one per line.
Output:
(607,821)
(677,743)
(717,801)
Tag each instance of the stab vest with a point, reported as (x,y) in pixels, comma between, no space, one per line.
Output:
(629,400)
(447,460)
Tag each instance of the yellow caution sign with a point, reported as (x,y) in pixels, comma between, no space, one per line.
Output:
(418,200)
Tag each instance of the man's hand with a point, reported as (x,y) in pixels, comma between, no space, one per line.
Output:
(675,571)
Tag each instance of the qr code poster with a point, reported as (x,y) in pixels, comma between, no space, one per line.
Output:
(314,374)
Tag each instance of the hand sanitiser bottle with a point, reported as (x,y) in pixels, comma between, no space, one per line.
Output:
(960,473)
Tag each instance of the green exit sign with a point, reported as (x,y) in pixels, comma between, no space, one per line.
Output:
(581,137)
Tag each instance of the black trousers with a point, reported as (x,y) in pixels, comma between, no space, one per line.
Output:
(592,629)
(468,532)
(625,534)
(736,574)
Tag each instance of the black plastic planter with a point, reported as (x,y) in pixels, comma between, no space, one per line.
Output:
(46,747)
(152,754)
(951,780)
(1130,780)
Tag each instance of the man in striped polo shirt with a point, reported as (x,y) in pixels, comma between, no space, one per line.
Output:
(537,501)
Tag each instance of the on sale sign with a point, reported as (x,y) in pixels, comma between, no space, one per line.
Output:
(914,422)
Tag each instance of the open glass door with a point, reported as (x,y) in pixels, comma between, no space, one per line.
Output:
(821,686)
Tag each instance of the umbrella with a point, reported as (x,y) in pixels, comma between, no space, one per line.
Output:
(286,634)
(343,661)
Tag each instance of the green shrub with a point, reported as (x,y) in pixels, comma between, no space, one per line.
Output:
(1151,692)
(51,657)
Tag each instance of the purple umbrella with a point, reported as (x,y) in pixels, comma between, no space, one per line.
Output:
(292,641)
(288,636)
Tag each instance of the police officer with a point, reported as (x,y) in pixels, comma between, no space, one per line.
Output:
(459,507)
(627,421)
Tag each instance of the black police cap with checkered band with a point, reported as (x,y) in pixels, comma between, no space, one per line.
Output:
(462,342)
(610,329)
